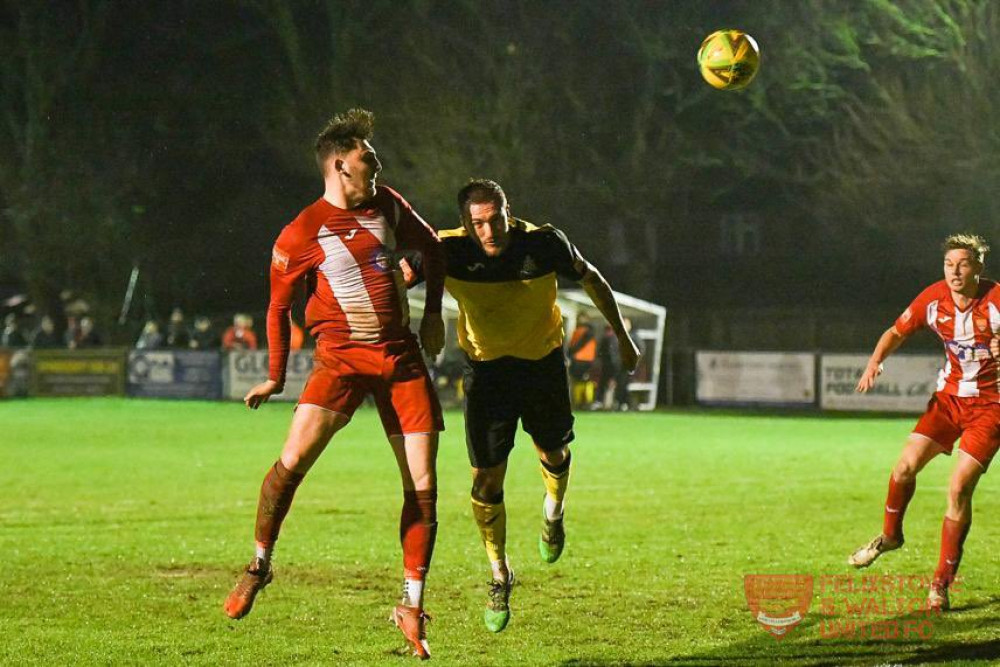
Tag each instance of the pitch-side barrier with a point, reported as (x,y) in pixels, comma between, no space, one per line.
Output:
(197,374)
(722,378)
(813,380)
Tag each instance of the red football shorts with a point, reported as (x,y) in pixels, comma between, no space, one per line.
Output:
(975,420)
(392,372)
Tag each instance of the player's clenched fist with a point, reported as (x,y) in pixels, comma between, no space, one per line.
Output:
(432,334)
(629,353)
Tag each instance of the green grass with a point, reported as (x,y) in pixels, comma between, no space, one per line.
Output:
(124,522)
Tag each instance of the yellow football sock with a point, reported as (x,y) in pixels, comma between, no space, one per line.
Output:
(492,521)
(556,479)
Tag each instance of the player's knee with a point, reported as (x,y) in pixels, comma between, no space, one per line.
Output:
(425,480)
(486,486)
(960,492)
(905,471)
(553,457)
(294,462)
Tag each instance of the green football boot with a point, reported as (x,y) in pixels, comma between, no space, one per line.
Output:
(497,613)
(552,539)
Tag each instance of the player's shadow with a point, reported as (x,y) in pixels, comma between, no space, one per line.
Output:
(948,652)
(985,603)
(806,648)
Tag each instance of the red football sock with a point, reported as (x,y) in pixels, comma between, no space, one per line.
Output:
(896,501)
(417,531)
(276,495)
(953,536)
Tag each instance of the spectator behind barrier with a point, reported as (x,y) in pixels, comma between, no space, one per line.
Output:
(582,352)
(150,338)
(13,337)
(240,335)
(204,336)
(178,335)
(89,337)
(71,337)
(45,336)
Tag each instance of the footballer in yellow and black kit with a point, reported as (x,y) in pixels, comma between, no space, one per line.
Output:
(511,331)
(503,273)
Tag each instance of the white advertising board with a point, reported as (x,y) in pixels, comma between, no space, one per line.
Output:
(775,378)
(905,385)
(246,369)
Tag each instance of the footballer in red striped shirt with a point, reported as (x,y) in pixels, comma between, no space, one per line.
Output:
(343,248)
(963,310)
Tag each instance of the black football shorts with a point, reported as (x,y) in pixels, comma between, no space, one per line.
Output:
(500,392)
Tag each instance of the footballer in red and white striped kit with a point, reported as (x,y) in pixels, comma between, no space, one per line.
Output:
(964,311)
(342,248)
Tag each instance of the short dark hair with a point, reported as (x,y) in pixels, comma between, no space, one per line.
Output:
(977,245)
(477,191)
(342,132)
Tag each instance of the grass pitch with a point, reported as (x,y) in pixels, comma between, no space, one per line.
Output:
(124,523)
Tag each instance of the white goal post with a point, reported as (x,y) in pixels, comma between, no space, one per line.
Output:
(648,327)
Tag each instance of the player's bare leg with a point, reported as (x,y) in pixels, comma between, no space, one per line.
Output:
(416,456)
(491,518)
(917,453)
(555,466)
(311,430)
(955,528)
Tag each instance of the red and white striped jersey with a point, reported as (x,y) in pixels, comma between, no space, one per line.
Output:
(347,260)
(969,371)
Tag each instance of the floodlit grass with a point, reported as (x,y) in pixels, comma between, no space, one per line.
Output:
(124,523)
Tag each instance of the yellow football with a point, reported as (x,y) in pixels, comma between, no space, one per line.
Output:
(729,59)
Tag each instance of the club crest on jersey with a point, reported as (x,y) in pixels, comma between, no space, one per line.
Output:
(381,260)
(279,260)
(982,326)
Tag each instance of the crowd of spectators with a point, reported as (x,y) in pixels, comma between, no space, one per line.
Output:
(177,335)
(76,328)
(24,327)
(79,333)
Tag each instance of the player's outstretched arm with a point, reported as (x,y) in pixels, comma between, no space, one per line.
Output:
(261,392)
(887,344)
(599,291)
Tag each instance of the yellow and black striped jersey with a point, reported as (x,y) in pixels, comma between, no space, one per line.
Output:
(507,304)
